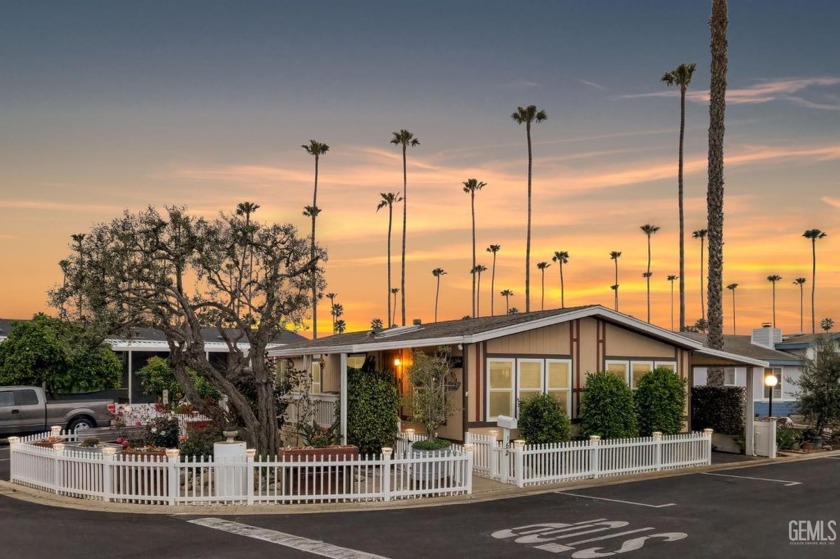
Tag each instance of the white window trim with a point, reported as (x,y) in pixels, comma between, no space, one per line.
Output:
(568,389)
(512,389)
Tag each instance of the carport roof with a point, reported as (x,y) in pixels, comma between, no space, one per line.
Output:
(473,330)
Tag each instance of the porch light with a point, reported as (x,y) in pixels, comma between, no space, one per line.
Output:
(397,362)
(770,381)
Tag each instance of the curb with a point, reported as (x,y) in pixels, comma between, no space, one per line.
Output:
(37,496)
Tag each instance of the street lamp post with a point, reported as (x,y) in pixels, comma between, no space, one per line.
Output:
(770,381)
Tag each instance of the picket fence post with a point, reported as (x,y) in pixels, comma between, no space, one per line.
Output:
(59,450)
(172,458)
(519,462)
(13,446)
(498,455)
(108,454)
(250,453)
(470,448)
(657,440)
(386,472)
(595,463)
(708,434)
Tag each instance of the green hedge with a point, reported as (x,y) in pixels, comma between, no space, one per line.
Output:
(372,406)
(718,407)
(660,402)
(542,420)
(607,407)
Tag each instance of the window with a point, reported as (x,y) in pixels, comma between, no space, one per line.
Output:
(638,370)
(777,390)
(500,388)
(559,382)
(27,398)
(730,378)
(316,376)
(672,365)
(7,399)
(530,378)
(618,368)
(355,361)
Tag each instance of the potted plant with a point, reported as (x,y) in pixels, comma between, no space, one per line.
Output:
(430,402)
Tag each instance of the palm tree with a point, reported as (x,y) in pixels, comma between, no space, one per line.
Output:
(493,249)
(404,139)
(394,291)
(701,234)
(542,266)
(561,257)
(814,235)
(672,279)
(470,187)
(732,287)
(246,209)
(337,311)
(528,116)
(507,294)
(801,282)
(331,297)
(681,77)
(315,149)
(437,272)
(389,199)
(476,271)
(614,255)
(648,230)
(773,279)
(714,195)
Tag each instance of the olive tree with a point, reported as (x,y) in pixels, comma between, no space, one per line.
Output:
(178,273)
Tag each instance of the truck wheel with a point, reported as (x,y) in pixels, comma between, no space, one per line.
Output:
(82,422)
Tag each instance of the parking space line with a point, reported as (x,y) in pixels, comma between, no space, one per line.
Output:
(617,500)
(287,540)
(787,483)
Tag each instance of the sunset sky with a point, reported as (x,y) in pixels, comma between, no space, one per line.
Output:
(109,106)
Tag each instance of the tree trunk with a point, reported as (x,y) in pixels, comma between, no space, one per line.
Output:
(312,255)
(405,222)
(528,237)
(681,209)
(562,288)
(472,209)
(813,284)
(714,196)
(390,222)
(493,287)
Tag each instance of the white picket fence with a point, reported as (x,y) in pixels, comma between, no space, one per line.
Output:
(169,480)
(523,465)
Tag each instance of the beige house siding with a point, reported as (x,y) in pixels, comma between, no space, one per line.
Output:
(551,340)
(624,343)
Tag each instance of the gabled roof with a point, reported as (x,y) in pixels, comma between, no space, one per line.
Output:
(805,340)
(473,330)
(742,346)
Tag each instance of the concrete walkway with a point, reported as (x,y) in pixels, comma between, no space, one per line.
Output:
(483,490)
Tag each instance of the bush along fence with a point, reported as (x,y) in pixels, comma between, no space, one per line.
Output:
(523,465)
(52,462)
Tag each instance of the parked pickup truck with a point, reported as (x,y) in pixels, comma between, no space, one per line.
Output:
(26,409)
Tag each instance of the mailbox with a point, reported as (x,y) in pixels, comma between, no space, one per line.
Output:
(506,422)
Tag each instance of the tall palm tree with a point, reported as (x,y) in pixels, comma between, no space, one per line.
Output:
(477,271)
(493,249)
(773,279)
(561,257)
(732,287)
(507,294)
(404,139)
(315,149)
(681,77)
(714,195)
(672,279)
(614,255)
(331,297)
(389,199)
(542,266)
(814,235)
(470,187)
(246,209)
(437,272)
(394,291)
(528,115)
(701,234)
(79,238)
(648,230)
(801,282)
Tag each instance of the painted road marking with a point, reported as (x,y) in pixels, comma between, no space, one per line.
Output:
(617,500)
(287,540)
(787,483)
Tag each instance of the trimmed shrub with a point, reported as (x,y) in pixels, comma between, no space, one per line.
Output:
(718,407)
(200,439)
(372,406)
(660,402)
(542,420)
(163,432)
(607,407)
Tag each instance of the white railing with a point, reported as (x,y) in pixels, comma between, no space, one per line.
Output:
(105,475)
(561,462)
(322,411)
